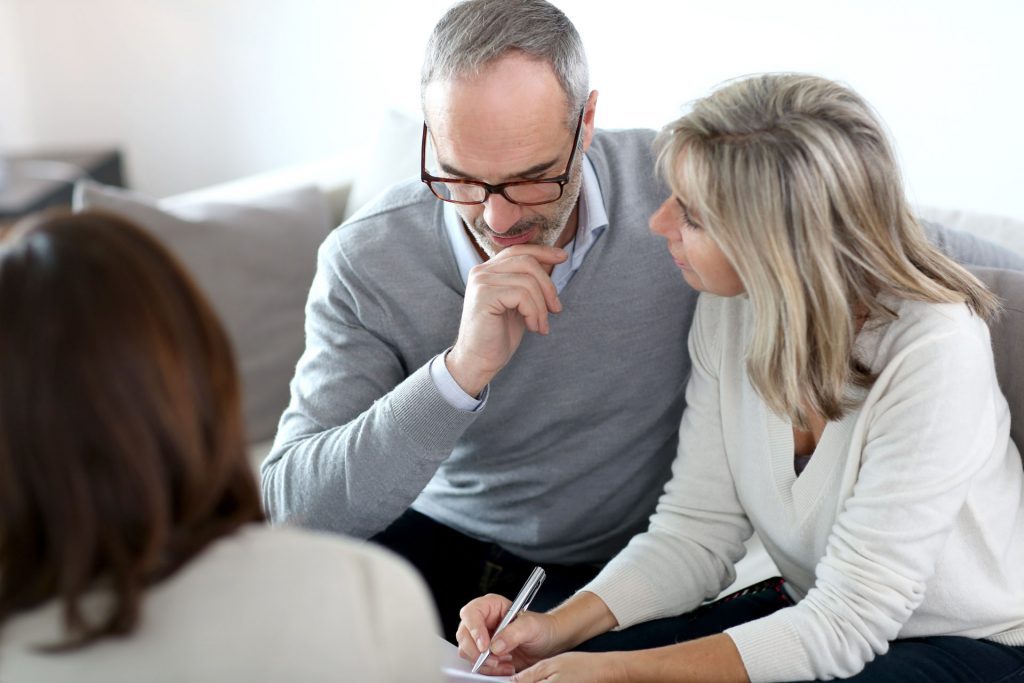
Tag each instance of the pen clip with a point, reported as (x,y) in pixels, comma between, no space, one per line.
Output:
(534,589)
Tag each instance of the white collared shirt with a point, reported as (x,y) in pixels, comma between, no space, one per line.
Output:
(592,222)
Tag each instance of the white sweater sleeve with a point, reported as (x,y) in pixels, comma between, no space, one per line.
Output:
(930,426)
(697,531)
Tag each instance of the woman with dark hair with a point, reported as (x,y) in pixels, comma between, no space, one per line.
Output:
(132,544)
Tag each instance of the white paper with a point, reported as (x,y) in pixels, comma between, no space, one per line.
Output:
(457,669)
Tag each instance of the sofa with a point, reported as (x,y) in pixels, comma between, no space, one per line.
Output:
(251,243)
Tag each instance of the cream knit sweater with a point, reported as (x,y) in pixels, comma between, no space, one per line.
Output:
(908,521)
(259,606)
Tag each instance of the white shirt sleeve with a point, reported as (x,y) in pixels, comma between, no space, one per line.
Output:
(450,389)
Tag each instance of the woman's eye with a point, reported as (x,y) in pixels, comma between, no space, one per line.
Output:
(687,218)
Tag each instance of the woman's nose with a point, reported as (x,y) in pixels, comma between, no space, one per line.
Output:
(663,221)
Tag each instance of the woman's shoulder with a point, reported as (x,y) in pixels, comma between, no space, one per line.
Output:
(303,551)
(722,319)
(925,319)
(289,561)
(351,589)
(927,331)
(262,604)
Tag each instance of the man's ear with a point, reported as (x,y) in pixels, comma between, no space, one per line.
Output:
(588,119)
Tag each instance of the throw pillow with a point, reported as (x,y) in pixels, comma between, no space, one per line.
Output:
(1003,230)
(395,157)
(255,262)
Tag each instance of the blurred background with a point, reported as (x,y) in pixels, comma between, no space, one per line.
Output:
(195,92)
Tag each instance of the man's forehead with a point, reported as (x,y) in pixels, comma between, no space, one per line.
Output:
(499,153)
(495,137)
(512,88)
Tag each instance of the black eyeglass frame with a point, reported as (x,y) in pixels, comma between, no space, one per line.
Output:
(560,180)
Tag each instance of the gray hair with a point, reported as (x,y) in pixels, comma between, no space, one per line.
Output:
(474,33)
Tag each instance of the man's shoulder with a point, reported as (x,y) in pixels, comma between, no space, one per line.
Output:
(624,163)
(405,199)
(404,213)
(623,142)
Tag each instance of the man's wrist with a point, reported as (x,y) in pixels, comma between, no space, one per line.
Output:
(450,389)
(473,383)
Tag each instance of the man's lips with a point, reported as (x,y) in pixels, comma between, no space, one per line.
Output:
(521,238)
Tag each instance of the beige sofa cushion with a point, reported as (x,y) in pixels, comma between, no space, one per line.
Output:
(255,262)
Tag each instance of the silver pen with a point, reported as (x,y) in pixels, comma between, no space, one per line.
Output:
(519,605)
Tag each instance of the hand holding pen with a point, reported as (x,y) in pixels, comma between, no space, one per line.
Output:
(491,622)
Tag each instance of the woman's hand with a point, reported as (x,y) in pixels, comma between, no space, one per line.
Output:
(573,667)
(528,639)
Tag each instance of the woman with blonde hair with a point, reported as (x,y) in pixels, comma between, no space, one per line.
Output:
(132,543)
(843,404)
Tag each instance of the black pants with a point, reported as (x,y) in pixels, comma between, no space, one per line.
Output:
(458,568)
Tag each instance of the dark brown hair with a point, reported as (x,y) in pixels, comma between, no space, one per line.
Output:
(122,451)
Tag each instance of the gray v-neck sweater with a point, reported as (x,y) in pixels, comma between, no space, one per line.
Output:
(565,462)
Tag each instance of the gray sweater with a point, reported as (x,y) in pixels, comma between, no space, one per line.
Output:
(568,457)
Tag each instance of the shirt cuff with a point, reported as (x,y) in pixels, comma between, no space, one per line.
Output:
(450,389)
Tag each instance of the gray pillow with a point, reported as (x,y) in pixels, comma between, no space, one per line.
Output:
(969,249)
(255,262)
(1007,332)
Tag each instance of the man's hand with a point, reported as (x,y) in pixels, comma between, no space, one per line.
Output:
(505,296)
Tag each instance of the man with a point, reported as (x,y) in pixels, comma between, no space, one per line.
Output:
(491,381)
(544,434)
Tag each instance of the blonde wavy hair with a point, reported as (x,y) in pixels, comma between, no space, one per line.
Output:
(794,178)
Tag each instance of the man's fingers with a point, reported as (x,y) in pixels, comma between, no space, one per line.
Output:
(543,253)
(529,266)
(533,306)
(518,292)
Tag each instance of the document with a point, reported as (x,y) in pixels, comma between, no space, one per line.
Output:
(456,669)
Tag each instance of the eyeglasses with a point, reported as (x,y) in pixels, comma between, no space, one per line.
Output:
(522,192)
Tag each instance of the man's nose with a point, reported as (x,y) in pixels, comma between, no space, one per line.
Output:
(500,213)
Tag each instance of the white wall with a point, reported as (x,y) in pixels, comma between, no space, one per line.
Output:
(14,120)
(197,91)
